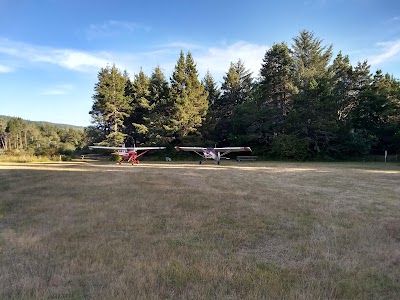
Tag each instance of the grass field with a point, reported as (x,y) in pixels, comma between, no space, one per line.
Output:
(89,230)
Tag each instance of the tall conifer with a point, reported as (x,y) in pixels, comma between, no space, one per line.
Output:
(188,97)
(110,104)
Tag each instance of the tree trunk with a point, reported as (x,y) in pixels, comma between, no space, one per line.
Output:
(3,144)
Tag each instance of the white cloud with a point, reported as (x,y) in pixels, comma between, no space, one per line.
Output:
(182,46)
(394,19)
(5,69)
(217,59)
(388,51)
(61,89)
(70,59)
(75,60)
(112,28)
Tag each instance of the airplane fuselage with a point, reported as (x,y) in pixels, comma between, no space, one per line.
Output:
(213,153)
(127,155)
(209,153)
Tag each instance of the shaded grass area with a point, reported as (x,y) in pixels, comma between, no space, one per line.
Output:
(24,158)
(183,231)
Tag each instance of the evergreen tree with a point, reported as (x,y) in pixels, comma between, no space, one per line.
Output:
(189,99)
(276,85)
(3,134)
(210,86)
(49,140)
(310,57)
(138,121)
(378,112)
(92,135)
(343,86)
(110,105)
(208,127)
(15,132)
(162,107)
(313,117)
(237,89)
(362,78)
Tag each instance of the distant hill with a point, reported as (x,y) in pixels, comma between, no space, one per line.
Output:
(39,123)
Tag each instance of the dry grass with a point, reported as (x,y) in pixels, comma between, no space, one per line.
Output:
(23,158)
(182,231)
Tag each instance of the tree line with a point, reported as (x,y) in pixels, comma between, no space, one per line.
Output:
(41,138)
(305,104)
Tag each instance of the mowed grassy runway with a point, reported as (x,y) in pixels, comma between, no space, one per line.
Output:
(90,230)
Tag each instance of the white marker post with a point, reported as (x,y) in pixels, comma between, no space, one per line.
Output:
(385,155)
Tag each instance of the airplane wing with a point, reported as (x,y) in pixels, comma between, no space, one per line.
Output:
(233,149)
(126,148)
(189,148)
(108,148)
(148,148)
(226,150)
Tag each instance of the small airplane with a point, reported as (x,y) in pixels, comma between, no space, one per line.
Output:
(213,153)
(130,154)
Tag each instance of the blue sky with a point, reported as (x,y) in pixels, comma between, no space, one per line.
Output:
(52,50)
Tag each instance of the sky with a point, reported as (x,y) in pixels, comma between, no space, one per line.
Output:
(52,50)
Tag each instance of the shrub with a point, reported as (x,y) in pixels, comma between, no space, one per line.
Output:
(115,157)
(290,147)
(66,158)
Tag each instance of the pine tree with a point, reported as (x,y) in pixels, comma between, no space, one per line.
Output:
(343,86)
(237,89)
(361,77)
(313,117)
(276,84)
(3,134)
(378,112)
(138,121)
(162,107)
(15,131)
(208,126)
(110,105)
(189,98)
(211,87)
(310,57)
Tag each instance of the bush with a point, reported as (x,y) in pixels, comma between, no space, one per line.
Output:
(290,147)
(66,148)
(116,157)
(66,158)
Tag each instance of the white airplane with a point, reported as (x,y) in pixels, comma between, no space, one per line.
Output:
(213,153)
(130,154)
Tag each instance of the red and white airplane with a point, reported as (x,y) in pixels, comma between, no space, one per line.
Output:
(213,153)
(130,154)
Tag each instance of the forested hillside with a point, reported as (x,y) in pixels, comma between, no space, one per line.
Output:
(305,104)
(40,138)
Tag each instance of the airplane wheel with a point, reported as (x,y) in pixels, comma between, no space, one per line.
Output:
(200,162)
(218,163)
